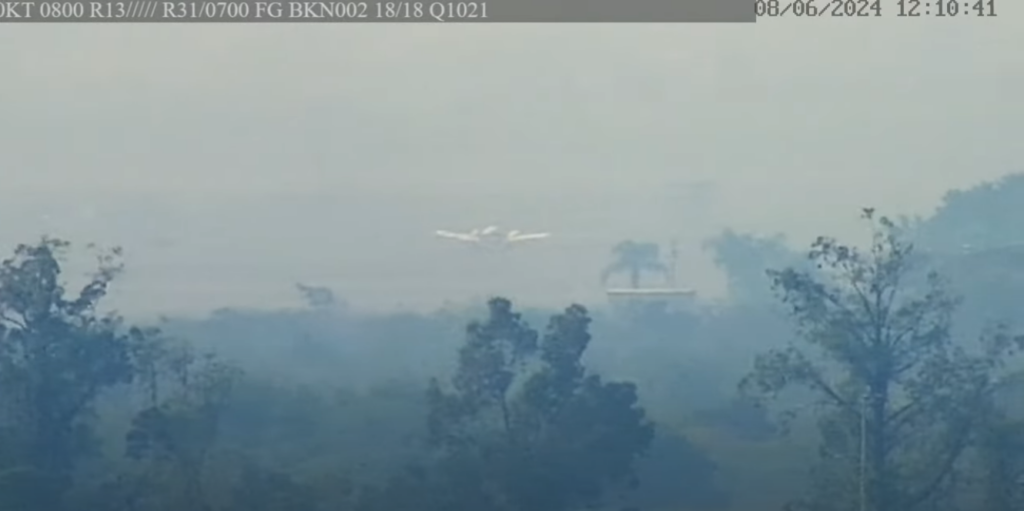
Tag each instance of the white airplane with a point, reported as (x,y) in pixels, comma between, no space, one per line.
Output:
(492,237)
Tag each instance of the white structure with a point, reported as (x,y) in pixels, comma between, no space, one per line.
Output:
(492,237)
(673,298)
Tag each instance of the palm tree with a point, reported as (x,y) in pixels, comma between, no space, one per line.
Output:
(634,258)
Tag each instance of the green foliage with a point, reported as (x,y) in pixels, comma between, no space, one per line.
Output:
(1001,459)
(899,400)
(179,431)
(983,217)
(746,257)
(675,473)
(975,238)
(56,356)
(184,425)
(310,432)
(337,411)
(262,490)
(523,424)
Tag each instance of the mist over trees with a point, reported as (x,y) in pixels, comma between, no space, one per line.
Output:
(884,377)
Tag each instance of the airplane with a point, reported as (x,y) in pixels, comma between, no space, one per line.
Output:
(492,237)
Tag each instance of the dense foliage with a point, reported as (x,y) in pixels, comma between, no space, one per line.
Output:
(875,390)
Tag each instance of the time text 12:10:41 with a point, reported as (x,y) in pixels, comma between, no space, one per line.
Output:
(946,8)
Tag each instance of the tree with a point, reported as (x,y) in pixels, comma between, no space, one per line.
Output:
(678,475)
(263,490)
(991,282)
(900,400)
(57,354)
(745,258)
(634,259)
(179,431)
(1001,457)
(982,217)
(523,424)
(975,238)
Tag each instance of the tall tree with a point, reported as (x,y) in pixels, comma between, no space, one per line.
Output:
(57,354)
(179,429)
(523,425)
(635,259)
(900,400)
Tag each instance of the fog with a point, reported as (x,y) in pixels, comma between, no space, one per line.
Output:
(330,153)
(802,180)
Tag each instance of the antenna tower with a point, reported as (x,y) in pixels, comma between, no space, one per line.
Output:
(674,256)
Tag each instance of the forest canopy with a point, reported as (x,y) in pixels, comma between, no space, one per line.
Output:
(884,377)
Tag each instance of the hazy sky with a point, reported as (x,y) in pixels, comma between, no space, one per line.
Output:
(232,161)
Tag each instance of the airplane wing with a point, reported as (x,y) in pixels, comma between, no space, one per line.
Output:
(455,236)
(513,238)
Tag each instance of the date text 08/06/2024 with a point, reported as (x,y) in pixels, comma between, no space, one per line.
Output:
(215,10)
(874,8)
